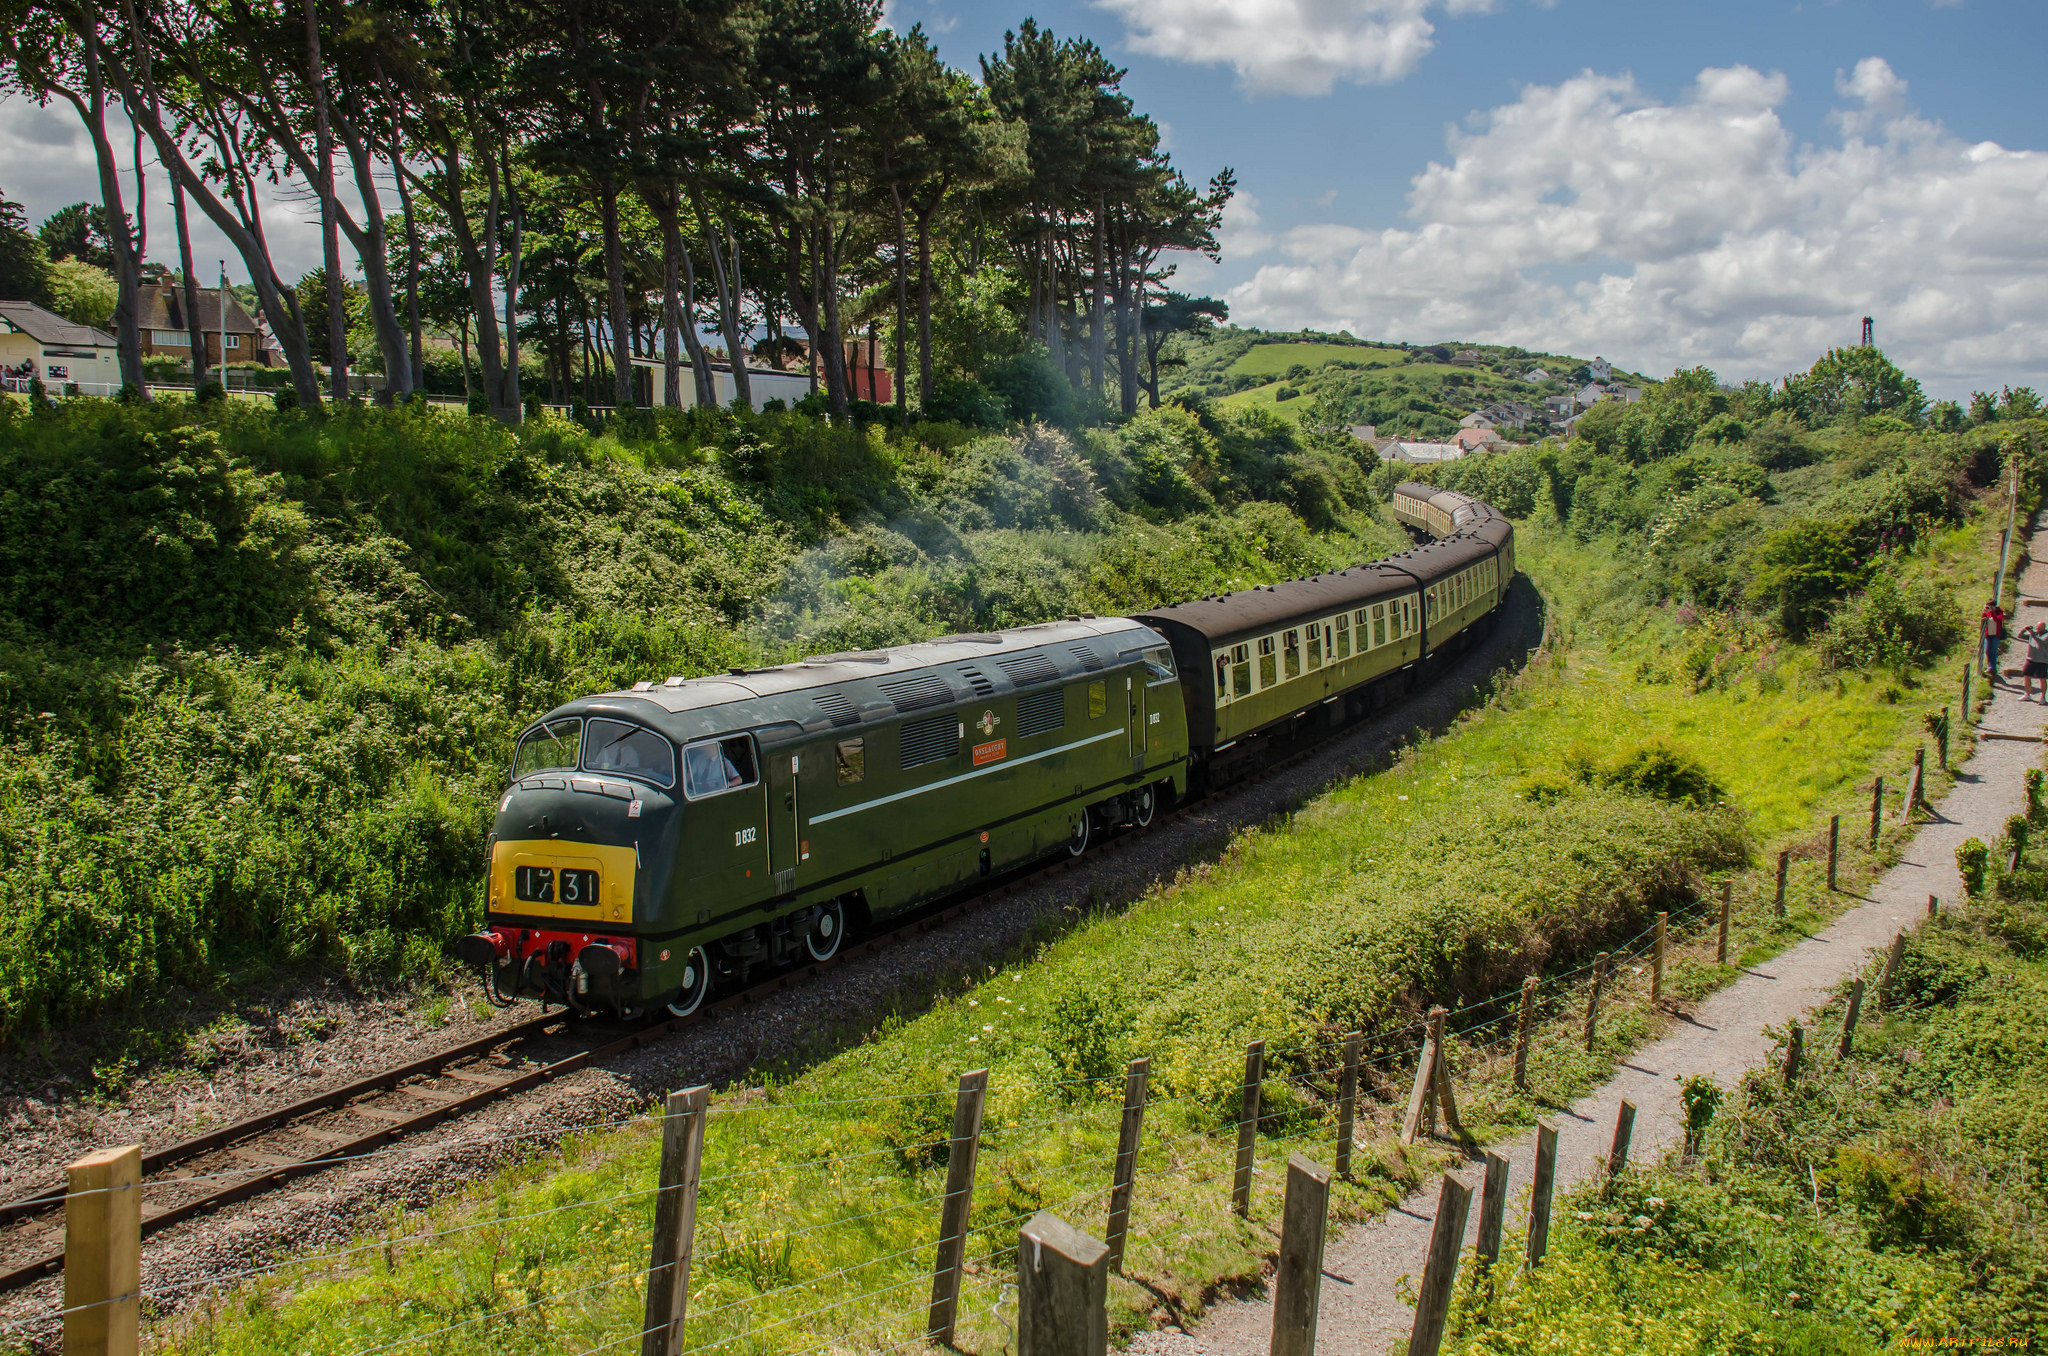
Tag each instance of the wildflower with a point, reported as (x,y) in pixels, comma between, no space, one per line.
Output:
(291,758)
(973,1040)
(1657,1202)
(988,1028)
(973,1002)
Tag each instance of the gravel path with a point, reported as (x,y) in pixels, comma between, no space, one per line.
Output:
(796,1027)
(1722,1037)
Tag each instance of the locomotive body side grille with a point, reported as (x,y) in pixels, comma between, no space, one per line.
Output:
(837,707)
(1090,660)
(982,686)
(1025,669)
(1038,712)
(917,691)
(931,740)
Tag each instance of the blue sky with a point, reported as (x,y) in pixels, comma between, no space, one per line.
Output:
(1678,182)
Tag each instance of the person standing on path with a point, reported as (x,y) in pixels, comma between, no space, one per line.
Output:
(2036,669)
(1991,632)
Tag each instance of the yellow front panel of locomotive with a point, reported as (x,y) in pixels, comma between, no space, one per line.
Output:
(615,868)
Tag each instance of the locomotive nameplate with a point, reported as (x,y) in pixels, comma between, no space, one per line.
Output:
(993,751)
(549,878)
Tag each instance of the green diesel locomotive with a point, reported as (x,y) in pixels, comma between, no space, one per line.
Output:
(654,845)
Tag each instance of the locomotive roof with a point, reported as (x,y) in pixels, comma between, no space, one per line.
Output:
(686,708)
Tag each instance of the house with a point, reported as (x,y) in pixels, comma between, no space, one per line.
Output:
(1626,394)
(1466,358)
(39,343)
(1592,395)
(167,331)
(1420,454)
(1476,419)
(1365,433)
(1560,407)
(1505,414)
(868,375)
(1536,375)
(1472,439)
(1601,371)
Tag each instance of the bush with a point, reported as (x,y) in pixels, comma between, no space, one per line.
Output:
(1663,770)
(1972,858)
(1802,570)
(1892,627)
(1286,393)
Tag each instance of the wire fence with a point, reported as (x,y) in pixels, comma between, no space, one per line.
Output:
(821,1251)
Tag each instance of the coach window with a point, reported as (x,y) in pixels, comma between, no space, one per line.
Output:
(1222,676)
(1315,646)
(853,761)
(1269,672)
(1293,655)
(718,765)
(1343,650)
(1379,623)
(1429,604)
(1240,670)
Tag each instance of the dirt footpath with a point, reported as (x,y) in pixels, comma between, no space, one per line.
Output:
(1723,1037)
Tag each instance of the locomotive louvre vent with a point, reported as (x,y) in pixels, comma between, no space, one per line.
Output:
(931,740)
(836,707)
(1033,666)
(917,691)
(982,686)
(1090,660)
(1038,712)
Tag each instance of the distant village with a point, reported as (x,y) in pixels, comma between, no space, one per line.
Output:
(1489,428)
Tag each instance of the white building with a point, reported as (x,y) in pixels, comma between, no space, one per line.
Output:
(1421,454)
(57,350)
(1537,375)
(1477,419)
(1602,372)
(763,384)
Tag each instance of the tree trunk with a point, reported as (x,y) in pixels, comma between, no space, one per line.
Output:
(127,268)
(508,405)
(924,309)
(412,283)
(664,205)
(330,240)
(726,282)
(371,240)
(615,292)
(700,361)
(1097,340)
(902,311)
(194,331)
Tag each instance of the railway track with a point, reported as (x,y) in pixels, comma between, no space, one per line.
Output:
(331,1129)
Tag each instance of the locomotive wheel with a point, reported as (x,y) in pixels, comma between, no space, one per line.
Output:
(696,983)
(1077,842)
(1144,803)
(827,933)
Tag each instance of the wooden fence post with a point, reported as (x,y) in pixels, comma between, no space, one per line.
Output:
(1347,1104)
(1876,809)
(1657,962)
(1795,1042)
(1916,790)
(675,1220)
(1834,847)
(1624,1130)
(1593,999)
(1784,867)
(1933,905)
(1420,1097)
(1849,1019)
(1247,1127)
(1727,903)
(1298,1273)
(1968,672)
(1541,1185)
(1135,1079)
(1062,1290)
(1440,1095)
(1493,1210)
(103,1254)
(1433,1296)
(1523,1025)
(1891,967)
(962,1149)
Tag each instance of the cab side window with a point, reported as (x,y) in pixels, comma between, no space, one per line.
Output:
(853,760)
(1098,699)
(718,765)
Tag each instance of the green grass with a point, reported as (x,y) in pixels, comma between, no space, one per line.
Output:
(1436,879)
(1891,1200)
(1273,360)
(1264,398)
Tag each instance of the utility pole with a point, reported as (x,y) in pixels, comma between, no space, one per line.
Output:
(2012,504)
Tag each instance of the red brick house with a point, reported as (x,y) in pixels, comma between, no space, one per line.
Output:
(165,331)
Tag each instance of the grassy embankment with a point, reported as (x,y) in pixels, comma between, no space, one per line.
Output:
(1504,847)
(1893,1200)
(260,672)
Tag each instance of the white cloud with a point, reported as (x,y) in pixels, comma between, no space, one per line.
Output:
(1290,46)
(46,162)
(1587,217)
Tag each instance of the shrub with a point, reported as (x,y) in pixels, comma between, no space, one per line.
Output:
(1802,570)
(1972,857)
(1894,627)
(1286,393)
(284,398)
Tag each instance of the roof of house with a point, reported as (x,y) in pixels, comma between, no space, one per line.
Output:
(1401,450)
(163,308)
(47,327)
(1476,437)
(1536,374)
(1477,419)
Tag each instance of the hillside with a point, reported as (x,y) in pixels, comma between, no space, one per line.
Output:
(1400,389)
